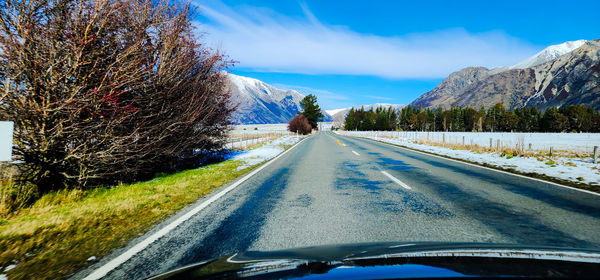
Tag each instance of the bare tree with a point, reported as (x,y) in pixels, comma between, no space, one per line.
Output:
(104,91)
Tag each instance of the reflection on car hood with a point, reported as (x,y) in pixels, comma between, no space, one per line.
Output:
(399,260)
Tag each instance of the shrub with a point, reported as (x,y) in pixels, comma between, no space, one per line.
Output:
(104,91)
(299,124)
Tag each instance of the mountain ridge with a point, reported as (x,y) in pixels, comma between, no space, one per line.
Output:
(571,78)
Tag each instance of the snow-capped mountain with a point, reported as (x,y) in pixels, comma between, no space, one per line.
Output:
(569,79)
(260,103)
(549,53)
(335,111)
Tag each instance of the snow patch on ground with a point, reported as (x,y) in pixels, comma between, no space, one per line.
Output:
(569,169)
(572,142)
(265,152)
(245,143)
(9,267)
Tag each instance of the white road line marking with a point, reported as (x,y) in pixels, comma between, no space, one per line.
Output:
(403,245)
(356,153)
(116,262)
(484,167)
(396,180)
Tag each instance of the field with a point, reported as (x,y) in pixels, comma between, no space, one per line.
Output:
(571,160)
(259,128)
(570,142)
(251,135)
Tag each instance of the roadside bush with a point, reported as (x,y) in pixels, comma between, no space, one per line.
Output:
(299,124)
(12,195)
(104,91)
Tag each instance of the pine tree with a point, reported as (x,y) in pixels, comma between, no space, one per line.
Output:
(311,110)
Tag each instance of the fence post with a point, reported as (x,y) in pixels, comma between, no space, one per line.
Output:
(530,147)
(498,144)
(443,138)
(490,143)
(595,154)
(550,151)
(463,140)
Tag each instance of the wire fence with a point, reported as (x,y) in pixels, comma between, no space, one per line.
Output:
(547,142)
(245,139)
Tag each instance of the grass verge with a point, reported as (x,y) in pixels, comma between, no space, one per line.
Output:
(55,237)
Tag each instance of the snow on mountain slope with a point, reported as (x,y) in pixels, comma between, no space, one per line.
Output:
(335,111)
(549,53)
(260,103)
(562,74)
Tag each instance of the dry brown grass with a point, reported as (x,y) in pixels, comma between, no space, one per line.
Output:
(519,150)
(251,141)
(12,195)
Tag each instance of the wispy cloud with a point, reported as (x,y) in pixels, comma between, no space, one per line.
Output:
(263,40)
(378,97)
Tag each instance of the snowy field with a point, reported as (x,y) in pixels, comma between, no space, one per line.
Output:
(265,152)
(266,128)
(572,142)
(259,128)
(580,170)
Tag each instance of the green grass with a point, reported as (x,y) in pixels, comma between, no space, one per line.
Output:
(54,237)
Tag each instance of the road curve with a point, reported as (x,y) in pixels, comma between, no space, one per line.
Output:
(334,189)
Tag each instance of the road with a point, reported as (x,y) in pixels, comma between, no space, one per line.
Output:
(333,189)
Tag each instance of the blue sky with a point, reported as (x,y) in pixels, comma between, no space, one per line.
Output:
(363,52)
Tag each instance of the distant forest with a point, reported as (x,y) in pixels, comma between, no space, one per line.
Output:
(572,118)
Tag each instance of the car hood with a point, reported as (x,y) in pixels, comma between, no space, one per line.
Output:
(399,260)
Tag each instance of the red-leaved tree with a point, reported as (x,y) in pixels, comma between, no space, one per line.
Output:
(299,124)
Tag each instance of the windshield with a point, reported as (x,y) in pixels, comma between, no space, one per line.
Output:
(138,137)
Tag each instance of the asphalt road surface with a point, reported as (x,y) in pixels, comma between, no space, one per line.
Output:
(332,189)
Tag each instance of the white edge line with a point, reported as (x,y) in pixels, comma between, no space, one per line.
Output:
(116,262)
(481,166)
(356,153)
(396,180)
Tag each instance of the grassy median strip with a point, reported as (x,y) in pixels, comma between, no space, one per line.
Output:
(62,230)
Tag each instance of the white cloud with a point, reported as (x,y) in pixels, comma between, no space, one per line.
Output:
(263,40)
(378,97)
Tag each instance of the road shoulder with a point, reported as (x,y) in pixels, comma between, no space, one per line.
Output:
(513,170)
